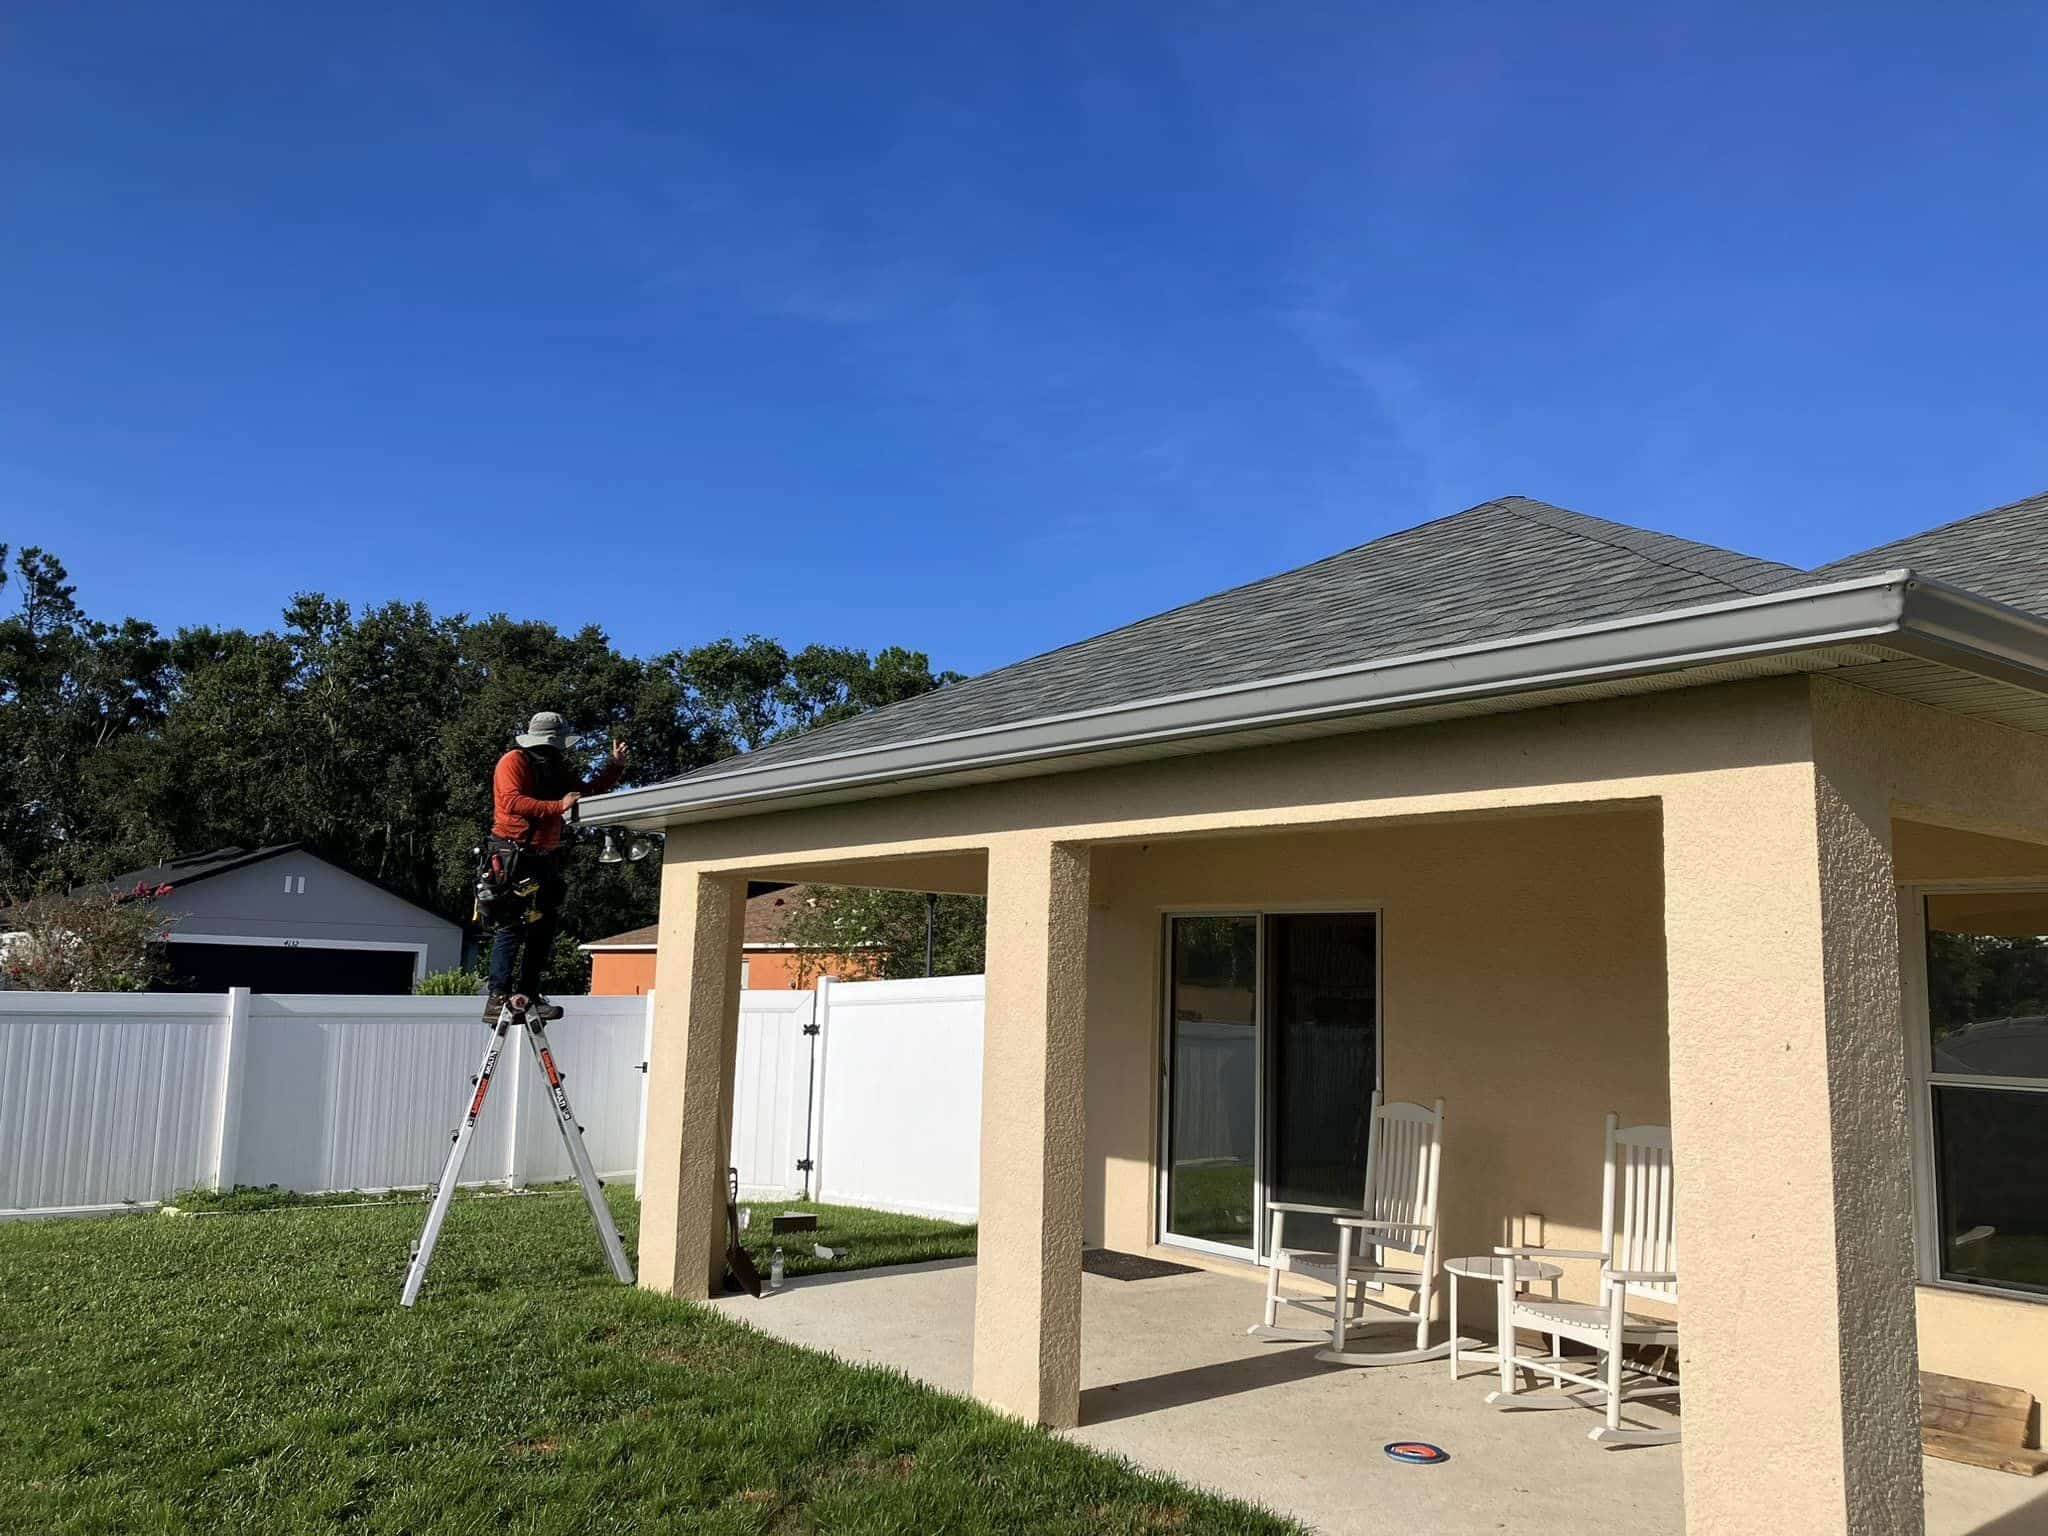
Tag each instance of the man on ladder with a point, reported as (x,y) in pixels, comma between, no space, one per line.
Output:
(520,888)
(519,898)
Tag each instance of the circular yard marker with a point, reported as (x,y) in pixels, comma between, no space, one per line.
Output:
(1420,1452)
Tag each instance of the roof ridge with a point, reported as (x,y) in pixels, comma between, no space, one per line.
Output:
(1564,520)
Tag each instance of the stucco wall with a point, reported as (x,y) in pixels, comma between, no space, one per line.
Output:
(1523,983)
(1766,1024)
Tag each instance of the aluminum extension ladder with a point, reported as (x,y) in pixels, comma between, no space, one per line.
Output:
(572,1138)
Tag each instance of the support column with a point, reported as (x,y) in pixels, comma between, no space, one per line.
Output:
(1027,1291)
(1792,1143)
(690,1080)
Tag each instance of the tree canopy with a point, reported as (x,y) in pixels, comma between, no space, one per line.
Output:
(368,734)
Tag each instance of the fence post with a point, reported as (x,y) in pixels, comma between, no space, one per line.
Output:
(813,1164)
(515,1105)
(640,1137)
(234,1048)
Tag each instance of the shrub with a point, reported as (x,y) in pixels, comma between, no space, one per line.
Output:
(454,982)
(99,941)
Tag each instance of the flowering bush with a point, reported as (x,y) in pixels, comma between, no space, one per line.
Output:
(101,941)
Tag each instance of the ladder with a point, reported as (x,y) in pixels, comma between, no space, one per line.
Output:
(572,1138)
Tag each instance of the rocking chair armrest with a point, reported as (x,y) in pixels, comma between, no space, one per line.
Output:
(1367,1223)
(1551,1253)
(1301,1207)
(1644,1276)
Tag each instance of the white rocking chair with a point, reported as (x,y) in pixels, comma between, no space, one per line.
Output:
(1641,1260)
(1403,1151)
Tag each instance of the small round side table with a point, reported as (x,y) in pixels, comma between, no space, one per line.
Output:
(1500,1271)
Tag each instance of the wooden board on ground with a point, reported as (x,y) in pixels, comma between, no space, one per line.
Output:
(1978,1423)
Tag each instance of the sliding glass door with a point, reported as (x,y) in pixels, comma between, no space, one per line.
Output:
(1271,1059)
(1212,1121)
(1322,987)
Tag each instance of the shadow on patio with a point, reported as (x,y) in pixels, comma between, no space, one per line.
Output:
(1170,1380)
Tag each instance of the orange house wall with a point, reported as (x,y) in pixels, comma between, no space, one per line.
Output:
(630,973)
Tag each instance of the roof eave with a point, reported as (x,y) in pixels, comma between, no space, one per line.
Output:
(1895,607)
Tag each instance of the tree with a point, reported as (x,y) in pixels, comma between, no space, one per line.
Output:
(71,690)
(884,931)
(369,734)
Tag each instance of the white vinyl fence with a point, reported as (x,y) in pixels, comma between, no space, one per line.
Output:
(865,1093)
(108,1099)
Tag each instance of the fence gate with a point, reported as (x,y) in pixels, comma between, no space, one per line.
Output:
(771,1093)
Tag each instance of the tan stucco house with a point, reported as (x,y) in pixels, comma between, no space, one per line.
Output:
(1538,814)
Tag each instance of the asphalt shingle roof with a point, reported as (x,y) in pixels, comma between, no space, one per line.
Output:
(1505,568)
(2000,554)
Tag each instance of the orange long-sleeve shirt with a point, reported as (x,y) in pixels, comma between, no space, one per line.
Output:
(522,815)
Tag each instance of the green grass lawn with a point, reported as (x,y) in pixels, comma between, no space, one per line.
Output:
(858,1239)
(253,1372)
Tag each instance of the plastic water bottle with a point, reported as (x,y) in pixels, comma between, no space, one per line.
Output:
(775,1271)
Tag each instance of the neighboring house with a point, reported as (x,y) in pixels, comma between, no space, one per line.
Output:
(624,963)
(1546,816)
(282,919)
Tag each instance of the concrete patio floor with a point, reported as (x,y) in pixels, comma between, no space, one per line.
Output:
(1171,1381)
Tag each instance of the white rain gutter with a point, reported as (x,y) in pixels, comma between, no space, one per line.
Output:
(1902,611)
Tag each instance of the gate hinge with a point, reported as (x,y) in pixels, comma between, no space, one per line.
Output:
(810,1029)
(803,1165)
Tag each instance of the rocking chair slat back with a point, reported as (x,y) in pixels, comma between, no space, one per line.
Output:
(1637,1219)
(1403,1149)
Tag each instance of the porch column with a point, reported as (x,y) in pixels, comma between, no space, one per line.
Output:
(1788,1106)
(1027,1290)
(690,1080)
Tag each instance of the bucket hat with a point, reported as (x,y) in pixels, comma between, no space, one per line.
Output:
(546,729)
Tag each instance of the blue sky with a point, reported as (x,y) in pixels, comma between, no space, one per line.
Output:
(982,328)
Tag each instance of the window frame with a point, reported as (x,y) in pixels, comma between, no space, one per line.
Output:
(1916,1015)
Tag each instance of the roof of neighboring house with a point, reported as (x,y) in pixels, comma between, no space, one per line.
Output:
(190,868)
(1503,599)
(766,913)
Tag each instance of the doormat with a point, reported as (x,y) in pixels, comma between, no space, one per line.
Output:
(1112,1265)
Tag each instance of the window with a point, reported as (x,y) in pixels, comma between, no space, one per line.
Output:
(1987,1086)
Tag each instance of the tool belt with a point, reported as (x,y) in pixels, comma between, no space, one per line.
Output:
(508,881)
